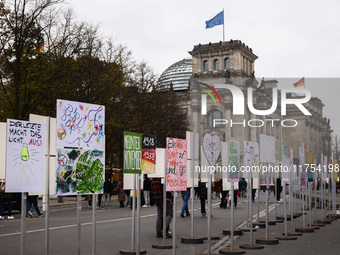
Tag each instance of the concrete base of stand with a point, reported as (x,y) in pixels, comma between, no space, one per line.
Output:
(131,252)
(286,238)
(317,225)
(325,221)
(279,221)
(305,230)
(252,246)
(192,240)
(231,251)
(293,234)
(259,225)
(298,214)
(237,232)
(332,217)
(283,218)
(294,216)
(212,238)
(162,246)
(248,229)
(266,241)
(207,254)
(270,222)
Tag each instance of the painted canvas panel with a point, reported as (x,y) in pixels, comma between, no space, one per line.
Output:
(211,148)
(251,159)
(302,156)
(79,171)
(176,164)
(25,156)
(149,154)
(285,161)
(80,125)
(234,160)
(132,153)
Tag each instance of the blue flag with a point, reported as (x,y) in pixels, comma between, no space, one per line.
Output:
(215,21)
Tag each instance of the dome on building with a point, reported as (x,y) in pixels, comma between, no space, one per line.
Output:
(178,74)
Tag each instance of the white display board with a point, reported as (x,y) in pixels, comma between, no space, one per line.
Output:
(267,149)
(192,173)
(25,156)
(160,163)
(204,167)
(80,125)
(52,181)
(2,150)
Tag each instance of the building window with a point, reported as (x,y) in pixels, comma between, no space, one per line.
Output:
(213,115)
(205,65)
(226,63)
(216,64)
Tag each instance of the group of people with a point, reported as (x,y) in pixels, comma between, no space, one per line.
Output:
(7,198)
(108,192)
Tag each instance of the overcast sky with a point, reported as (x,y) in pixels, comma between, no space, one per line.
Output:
(292,38)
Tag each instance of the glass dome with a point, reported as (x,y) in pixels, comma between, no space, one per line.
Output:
(178,74)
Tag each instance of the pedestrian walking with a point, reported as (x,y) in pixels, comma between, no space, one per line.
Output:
(32,201)
(5,198)
(147,190)
(224,194)
(108,190)
(243,187)
(121,194)
(203,196)
(185,196)
(157,193)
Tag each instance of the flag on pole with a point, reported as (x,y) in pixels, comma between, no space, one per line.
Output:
(215,21)
(300,83)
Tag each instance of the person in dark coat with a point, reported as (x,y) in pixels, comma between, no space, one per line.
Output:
(108,191)
(203,196)
(5,198)
(157,193)
(278,188)
(121,194)
(224,193)
(147,190)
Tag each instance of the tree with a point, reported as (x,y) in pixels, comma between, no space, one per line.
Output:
(45,55)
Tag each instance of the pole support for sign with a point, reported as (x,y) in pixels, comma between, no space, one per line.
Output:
(47,217)
(78,223)
(94,204)
(251,245)
(23,223)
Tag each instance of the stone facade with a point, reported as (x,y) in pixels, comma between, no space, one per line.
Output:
(232,62)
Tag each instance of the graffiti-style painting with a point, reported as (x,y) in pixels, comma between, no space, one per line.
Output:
(285,162)
(80,125)
(176,164)
(79,171)
(251,159)
(25,156)
(302,157)
(234,160)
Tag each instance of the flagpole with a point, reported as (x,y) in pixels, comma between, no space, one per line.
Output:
(223,26)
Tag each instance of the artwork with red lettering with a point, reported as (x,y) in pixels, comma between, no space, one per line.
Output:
(176,164)
(149,154)
(25,156)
